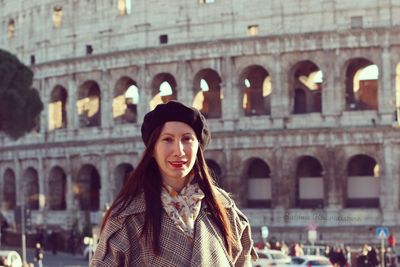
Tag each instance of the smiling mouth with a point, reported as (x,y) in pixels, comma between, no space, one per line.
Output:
(177,164)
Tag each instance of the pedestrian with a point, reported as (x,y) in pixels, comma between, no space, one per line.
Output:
(169,211)
(54,242)
(39,254)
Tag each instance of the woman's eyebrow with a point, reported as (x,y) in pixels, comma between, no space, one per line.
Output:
(171,134)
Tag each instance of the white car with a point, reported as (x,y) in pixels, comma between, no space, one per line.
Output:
(11,258)
(267,257)
(310,261)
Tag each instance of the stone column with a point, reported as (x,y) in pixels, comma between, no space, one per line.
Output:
(69,184)
(106,89)
(73,90)
(19,181)
(105,195)
(144,81)
(44,116)
(280,101)
(389,185)
(338,90)
(231,103)
(42,181)
(386,86)
(329,90)
(184,87)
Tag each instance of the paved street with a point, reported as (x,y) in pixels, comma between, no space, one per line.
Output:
(59,260)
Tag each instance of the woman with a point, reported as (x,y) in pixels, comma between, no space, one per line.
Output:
(169,212)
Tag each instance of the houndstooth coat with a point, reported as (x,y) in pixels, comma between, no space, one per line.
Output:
(120,245)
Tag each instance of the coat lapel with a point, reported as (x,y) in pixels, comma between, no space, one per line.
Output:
(208,247)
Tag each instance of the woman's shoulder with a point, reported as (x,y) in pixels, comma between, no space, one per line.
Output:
(228,202)
(224,197)
(136,205)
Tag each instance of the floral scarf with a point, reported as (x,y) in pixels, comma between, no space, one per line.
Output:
(184,207)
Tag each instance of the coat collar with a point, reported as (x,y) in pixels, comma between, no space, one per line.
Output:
(138,204)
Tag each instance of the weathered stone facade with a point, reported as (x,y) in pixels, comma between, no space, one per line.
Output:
(272,141)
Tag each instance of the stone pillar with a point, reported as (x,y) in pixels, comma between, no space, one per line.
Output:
(42,178)
(144,93)
(105,195)
(69,184)
(329,88)
(19,181)
(280,101)
(72,117)
(44,116)
(184,87)
(338,90)
(106,89)
(389,183)
(386,85)
(231,103)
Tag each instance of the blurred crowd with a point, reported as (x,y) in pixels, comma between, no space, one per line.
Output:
(339,255)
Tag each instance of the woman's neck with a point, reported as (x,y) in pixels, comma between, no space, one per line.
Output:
(177,184)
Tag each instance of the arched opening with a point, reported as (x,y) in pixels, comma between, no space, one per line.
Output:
(207,86)
(306,86)
(121,174)
(259,184)
(87,188)
(361,85)
(58,108)
(215,171)
(31,189)
(89,104)
(126,99)
(11,28)
(57,189)
(310,183)
(300,101)
(163,89)
(363,183)
(9,190)
(256,85)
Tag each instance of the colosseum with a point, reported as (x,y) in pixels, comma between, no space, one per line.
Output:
(302,98)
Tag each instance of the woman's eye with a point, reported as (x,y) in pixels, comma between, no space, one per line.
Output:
(167,139)
(188,139)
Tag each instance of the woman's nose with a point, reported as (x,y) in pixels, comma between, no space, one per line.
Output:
(179,148)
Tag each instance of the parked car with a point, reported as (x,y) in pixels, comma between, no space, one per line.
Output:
(310,261)
(10,258)
(268,257)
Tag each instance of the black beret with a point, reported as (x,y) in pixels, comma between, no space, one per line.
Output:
(176,111)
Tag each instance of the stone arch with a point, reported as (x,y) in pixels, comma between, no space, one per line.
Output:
(309,183)
(361,83)
(87,188)
(121,174)
(255,84)
(306,87)
(31,188)
(89,104)
(125,101)
(58,108)
(363,183)
(163,89)
(9,190)
(215,171)
(208,95)
(57,189)
(258,177)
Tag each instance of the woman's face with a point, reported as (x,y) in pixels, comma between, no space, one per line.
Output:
(175,152)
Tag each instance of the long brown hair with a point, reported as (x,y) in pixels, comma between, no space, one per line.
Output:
(147,178)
